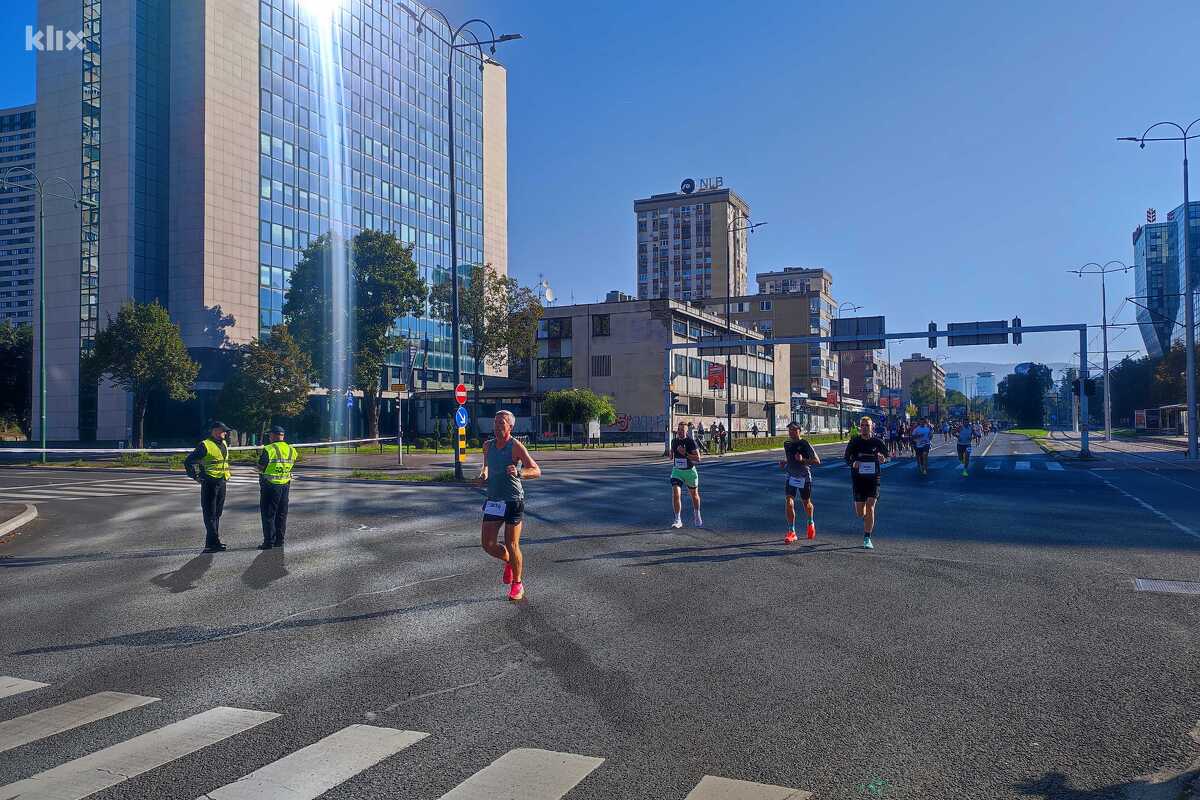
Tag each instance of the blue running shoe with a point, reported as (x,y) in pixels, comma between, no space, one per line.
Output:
(867,543)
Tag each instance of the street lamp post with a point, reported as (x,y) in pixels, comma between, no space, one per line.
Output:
(1102,271)
(1189,290)
(731,252)
(847,306)
(41,192)
(468,40)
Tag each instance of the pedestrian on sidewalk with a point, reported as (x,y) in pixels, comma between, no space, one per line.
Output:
(208,465)
(275,464)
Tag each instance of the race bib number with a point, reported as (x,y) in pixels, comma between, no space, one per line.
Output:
(682,463)
(495,508)
(866,468)
(797,481)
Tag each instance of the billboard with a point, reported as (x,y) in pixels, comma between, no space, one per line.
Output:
(716,376)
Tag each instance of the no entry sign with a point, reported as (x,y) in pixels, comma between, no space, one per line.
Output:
(460,394)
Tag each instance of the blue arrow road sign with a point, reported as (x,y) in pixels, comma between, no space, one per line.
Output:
(460,417)
(349,401)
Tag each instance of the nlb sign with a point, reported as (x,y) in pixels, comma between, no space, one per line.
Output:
(690,185)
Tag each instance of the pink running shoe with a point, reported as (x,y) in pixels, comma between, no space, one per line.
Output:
(508,574)
(516,591)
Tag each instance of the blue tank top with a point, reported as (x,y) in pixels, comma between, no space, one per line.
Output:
(501,485)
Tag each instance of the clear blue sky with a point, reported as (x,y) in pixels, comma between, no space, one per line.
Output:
(944,160)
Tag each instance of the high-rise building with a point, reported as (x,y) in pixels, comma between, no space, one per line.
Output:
(18,214)
(954,382)
(684,244)
(985,384)
(1156,286)
(217,138)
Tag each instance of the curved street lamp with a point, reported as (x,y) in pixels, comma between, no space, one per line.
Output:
(462,39)
(7,182)
(1092,268)
(731,252)
(845,305)
(1189,290)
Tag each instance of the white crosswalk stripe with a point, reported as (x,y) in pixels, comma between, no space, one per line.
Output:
(527,774)
(314,770)
(105,768)
(10,686)
(304,774)
(1054,466)
(1020,466)
(49,721)
(711,788)
(84,490)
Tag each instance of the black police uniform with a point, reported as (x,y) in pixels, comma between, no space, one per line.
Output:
(212,493)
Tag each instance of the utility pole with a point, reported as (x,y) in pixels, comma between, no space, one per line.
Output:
(1103,271)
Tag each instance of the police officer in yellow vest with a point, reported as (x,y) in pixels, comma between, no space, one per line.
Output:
(275,479)
(208,464)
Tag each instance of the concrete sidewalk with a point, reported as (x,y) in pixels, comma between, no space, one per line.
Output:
(1143,451)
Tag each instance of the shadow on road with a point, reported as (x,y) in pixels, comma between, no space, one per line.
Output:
(266,568)
(80,558)
(186,577)
(715,553)
(1057,786)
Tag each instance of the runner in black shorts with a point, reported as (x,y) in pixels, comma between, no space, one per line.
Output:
(799,455)
(864,454)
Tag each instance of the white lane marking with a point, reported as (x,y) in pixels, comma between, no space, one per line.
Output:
(50,721)
(311,771)
(989,445)
(711,788)
(1054,466)
(993,467)
(1148,507)
(84,776)
(528,774)
(10,686)
(1022,465)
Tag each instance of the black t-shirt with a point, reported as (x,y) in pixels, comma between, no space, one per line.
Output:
(805,450)
(684,445)
(860,449)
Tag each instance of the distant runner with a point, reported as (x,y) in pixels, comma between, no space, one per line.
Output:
(966,434)
(865,453)
(799,456)
(506,463)
(922,440)
(685,456)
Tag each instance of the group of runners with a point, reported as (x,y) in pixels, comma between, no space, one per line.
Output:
(507,463)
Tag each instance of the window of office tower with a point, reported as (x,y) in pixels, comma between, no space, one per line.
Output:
(395,147)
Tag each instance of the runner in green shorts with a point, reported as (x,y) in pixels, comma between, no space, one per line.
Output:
(685,456)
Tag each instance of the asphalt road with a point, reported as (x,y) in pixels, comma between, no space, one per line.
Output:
(992,646)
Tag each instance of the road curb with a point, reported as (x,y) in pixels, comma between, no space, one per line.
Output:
(29,514)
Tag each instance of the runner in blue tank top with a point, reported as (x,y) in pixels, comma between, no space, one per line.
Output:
(506,463)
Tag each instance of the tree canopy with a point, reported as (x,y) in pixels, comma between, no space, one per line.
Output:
(16,376)
(1021,396)
(142,351)
(269,381)
(578,406)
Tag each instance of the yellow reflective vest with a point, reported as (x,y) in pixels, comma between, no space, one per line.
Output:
(281,458)
(216,461)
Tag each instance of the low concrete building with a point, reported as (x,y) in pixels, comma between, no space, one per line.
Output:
(868,373)
(618,349)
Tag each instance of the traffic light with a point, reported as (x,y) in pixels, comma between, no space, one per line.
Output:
(674,399)
(1016,324)
(932,335)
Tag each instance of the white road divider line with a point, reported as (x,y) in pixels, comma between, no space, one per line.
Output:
(105,768)
(527,774)
(311,771)
(1148,507)
(10,686)
(56,719)
(711,788)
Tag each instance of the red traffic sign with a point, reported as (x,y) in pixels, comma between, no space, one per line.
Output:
(460,394)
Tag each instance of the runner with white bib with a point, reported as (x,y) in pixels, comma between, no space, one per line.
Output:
(684,458)
(799,457)
(966,437)
(506,463)
(865,452)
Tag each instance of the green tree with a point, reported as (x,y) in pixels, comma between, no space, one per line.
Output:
(16,376)
(385,286)
(578,406)
(142,351)
(1021,395)
(269,380)
(956,398)
(497,315)
(923,392)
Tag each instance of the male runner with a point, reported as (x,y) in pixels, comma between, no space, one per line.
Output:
(865,453)
(893,437)
(799,455)
(945,431)
(506,463)
(685,456)
(922,439)
(966,435)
